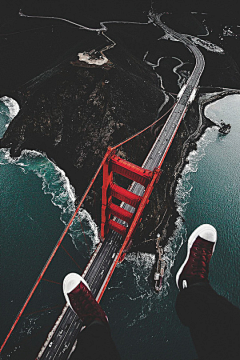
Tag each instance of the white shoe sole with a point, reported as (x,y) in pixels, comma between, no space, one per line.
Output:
(205,228)
(70,282)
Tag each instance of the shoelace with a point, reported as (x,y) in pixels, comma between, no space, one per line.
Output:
(84,304)
(202,256)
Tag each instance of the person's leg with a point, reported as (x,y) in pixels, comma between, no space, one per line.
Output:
(213,321)
(94,341)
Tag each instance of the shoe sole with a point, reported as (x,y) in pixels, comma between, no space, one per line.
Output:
(70,282)
(192,238)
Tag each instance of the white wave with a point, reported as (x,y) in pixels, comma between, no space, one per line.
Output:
(136,269)
(8,110)
(12,105)
(182,196)
(184,187)
(142,265)
(170,253)
(56,183)
(93,227)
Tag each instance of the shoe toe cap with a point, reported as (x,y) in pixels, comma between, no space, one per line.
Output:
(208,232)
(70,282)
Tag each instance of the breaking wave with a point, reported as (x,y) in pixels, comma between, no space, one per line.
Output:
(184,187)
(182,195)
(9,108)
(12,106)
(54,181)
(137,268)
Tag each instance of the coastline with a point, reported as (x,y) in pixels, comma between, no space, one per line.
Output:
(119,100)
(165,224)
(167,214)
(168,207)
(171,215)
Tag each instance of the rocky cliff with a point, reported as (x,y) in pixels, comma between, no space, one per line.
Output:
(73,111)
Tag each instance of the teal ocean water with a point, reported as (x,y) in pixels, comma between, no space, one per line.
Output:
(36,201)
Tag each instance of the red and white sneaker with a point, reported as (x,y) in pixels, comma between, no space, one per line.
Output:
(201,245)
(78,295)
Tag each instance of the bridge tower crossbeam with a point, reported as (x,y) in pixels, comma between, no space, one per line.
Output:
(113,217)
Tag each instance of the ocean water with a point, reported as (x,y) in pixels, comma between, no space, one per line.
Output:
(36,201)
(147,327)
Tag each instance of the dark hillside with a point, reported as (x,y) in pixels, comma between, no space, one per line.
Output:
(73,111)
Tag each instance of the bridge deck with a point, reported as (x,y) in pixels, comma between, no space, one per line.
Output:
(60,341)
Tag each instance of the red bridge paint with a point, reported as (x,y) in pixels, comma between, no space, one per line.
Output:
(111,211)
(137,218)
(119,212)
(130,171)
(124,195)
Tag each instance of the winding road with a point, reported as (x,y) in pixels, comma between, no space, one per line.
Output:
(98,272)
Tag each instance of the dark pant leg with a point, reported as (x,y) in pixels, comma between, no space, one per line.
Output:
(95,343)
(213,321)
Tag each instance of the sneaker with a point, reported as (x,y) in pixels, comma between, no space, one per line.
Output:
(201,245)
(79,297)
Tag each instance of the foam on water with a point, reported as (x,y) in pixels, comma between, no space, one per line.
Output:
(54,181)
(182,195)
(128,286)
(184,186)
(9,108)
(170,252)
(141,264)
(136,266)
(12,106)
(137,271)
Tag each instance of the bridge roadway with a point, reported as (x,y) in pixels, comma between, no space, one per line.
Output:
(63,335)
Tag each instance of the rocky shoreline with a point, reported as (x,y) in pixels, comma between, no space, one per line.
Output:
(73,112)
(160,215)
(168,213)
(168,225)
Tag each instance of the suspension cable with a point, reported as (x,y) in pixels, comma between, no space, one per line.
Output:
(70,256)
(42,310)
(55,282)
(54,251)
(140,132)
(110,149)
